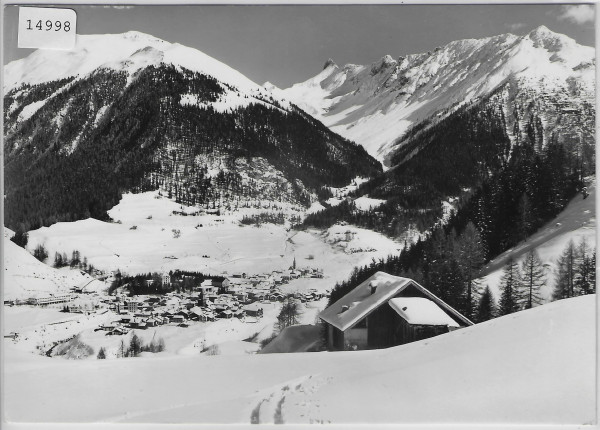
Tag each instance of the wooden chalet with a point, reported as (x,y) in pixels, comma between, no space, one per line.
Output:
(386,311)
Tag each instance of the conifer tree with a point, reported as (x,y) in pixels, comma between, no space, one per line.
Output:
(509,285)
(21,236)
(471,253)
(101,354)
(58,260)
(288,315)
(135,345)
(585,276)
(525,217)
(532,279)
(486,308)
(40,253)
(565,273)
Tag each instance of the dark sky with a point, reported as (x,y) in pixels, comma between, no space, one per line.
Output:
(288,44)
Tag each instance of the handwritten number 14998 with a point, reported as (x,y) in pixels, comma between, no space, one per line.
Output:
(49,25)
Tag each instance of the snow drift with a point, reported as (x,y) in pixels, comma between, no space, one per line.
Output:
(535,366)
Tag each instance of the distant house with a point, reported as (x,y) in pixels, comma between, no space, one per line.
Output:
(220,283)
(207,287)
(253,310)
(50,299)
(276,297)
(257,295)
(386,311)
(133,306)
(177,319)
(118,331)
(153,322)
(241,296)
(226,313)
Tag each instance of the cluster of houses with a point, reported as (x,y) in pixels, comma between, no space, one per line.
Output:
(143,312)
(245,288)
(222,297)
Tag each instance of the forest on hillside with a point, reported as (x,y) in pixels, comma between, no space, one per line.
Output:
(97,137)
(513,189)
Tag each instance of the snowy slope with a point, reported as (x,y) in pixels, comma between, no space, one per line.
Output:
(142,240)
(25,276)
(515,369)
(576,222)
(375,104)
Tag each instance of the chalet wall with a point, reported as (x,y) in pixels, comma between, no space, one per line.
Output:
(356,337)
(382,327)
(336,339)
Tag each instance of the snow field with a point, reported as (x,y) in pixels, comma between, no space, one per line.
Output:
(220,245)
(499,371)
(25,276)
(514,369)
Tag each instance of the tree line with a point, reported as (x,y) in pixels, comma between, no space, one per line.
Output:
(135,347)
(575,275)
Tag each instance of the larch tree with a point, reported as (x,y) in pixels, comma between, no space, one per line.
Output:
(509,285)
(123,351)
(565,273)
(135,345)
(288,315)
(533,279)
(585,276)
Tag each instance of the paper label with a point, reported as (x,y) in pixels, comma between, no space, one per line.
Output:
(47,28)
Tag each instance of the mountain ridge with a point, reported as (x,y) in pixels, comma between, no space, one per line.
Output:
(376,104)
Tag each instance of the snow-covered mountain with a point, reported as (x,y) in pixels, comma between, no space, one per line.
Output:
(133,112)
(129,52)
(542,72)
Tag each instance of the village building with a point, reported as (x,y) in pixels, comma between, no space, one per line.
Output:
(253,310)
(177,319)
(134,306)
(221,283)
(50,299)
(207,287)
(386,311)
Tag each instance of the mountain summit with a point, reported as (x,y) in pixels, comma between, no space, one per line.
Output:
(376,104)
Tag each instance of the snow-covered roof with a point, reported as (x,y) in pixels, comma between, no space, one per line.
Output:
(361,301)
(252,307)
(418,310)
